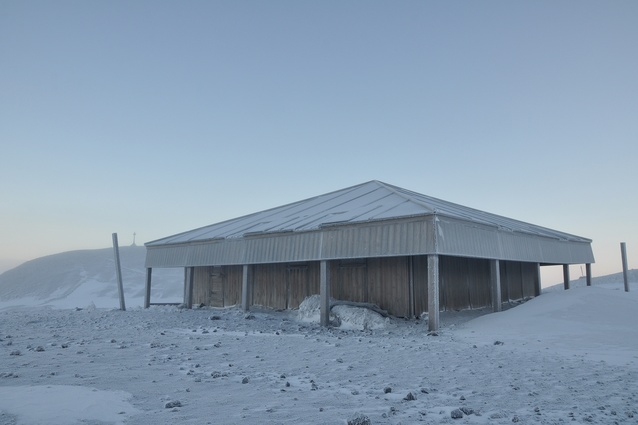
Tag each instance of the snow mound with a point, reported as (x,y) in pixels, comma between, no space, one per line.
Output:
(358,318)
(310,309)
(347,317)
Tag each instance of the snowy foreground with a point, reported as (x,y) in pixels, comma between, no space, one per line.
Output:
(564,357)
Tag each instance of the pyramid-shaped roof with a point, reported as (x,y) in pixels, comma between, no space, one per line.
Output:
(366,202)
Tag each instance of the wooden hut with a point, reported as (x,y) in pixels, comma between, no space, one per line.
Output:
(376,243)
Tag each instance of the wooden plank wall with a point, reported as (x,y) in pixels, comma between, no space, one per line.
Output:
(201,285)
(269,285)
(348,280)
(284,286)
(420,279)
(217,286)
(302,281)
(381,281)
(232,285)
(518,280)
(389,284)
(464,283)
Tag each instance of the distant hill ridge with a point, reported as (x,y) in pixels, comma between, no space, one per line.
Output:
(55,277)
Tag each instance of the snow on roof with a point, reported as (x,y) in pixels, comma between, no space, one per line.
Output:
(370,201)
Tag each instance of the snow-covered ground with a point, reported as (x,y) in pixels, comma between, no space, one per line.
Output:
(564,357)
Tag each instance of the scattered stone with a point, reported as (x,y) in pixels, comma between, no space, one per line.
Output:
(249,316)
(215,317)
(39,348)
(516,419)
(456,414)
(245,380)
(113,341)
(15,353)
(387,390)
(409,397)
(498,343)
(462,398)
(359,419)
(424,391)
(173,404)
(467,410)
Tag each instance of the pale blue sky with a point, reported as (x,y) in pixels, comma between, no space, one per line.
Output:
(157,117)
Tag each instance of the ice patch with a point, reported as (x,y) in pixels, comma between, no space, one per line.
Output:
(65,404)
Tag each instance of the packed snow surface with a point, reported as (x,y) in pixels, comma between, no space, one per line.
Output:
(564,357)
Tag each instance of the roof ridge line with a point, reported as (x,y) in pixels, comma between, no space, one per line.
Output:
(407,198)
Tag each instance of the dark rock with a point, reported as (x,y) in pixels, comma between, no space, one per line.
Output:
(387,390)
(39,348)
(244,381)
(409,397)
(467,410)
(456,414)
(172,404)
(498,343)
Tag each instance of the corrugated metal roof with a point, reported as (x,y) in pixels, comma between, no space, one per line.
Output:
(371,201)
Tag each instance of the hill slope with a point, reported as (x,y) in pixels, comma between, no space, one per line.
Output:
(78,278)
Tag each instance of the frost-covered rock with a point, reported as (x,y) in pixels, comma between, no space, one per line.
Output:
(173,404)
(358,318)
(359,419)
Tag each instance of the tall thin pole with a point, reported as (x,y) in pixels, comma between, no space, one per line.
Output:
(118,270)
(623,253)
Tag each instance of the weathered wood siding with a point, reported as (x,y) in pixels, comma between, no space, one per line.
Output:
(464,283)
(348,280)
(389,284)
(381,281)
(217,286)
(284,286)
(420,282)
(232,285)
(518,280)
(303,281)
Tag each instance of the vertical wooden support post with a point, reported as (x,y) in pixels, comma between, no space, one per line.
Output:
(538,284)
(118,271)
(566,276)
(324,291)
(189,273)
(433,292)
(588,273)
(623,254)
(495,277)
(246,288)
(147,294)
(411,306)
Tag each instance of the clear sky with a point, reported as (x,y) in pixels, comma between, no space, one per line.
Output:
(157,117)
